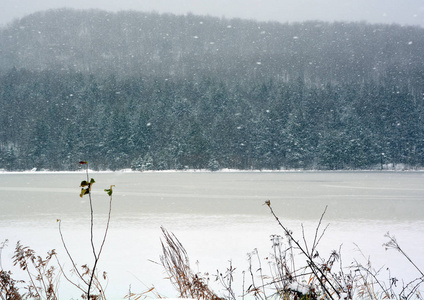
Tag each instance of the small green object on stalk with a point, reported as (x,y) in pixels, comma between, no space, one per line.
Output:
(109,191)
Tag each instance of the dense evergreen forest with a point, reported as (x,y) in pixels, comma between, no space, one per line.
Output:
(149,91)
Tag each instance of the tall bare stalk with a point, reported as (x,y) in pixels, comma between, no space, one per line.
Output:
(92,282)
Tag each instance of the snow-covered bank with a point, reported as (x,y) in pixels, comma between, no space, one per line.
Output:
(386,168)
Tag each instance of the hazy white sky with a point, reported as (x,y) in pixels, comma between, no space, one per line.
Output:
(405,12)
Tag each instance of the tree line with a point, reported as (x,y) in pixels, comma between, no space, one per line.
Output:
(52,120)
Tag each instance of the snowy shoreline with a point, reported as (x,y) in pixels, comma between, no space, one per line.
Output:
(399,168)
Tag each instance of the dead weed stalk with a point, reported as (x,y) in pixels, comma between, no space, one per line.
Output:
(176,263)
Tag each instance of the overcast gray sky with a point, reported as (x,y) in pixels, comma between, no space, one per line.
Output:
(405,12)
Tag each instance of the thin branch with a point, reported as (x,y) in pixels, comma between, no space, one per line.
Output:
(315,269)
(304,241)
(316,242)
(69,255)
(394,244)
(107,226)
(68,279)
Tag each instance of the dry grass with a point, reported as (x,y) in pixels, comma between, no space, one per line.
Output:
(315,277)
(177,265)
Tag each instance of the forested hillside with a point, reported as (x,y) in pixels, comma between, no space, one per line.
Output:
(151,91)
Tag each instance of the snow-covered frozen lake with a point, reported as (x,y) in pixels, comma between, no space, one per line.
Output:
(217,216)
